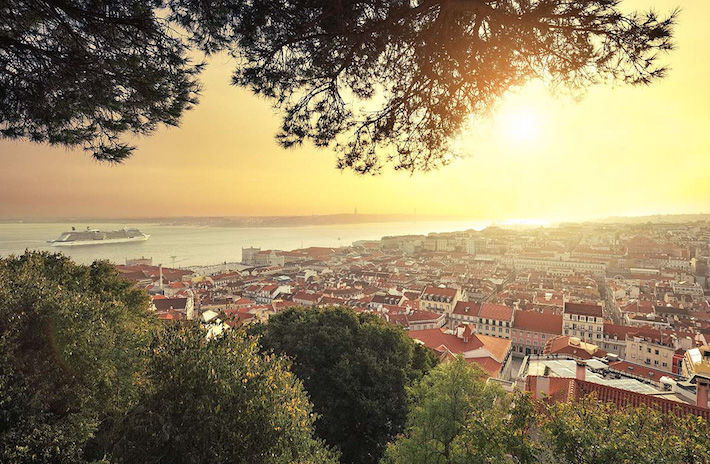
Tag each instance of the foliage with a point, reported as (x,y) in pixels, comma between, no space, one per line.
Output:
(71,344)
(218,400)
(78,72)
(379,81)
(456,417)
(590,432)
(355,368)
(394,81)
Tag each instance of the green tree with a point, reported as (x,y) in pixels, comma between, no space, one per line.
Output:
(591,432)
(85,73)
(456,417)
(355,368)
(218,400)
(379,81)
(71,355)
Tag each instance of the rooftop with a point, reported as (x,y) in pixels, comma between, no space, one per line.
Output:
(583,309)
(496,311)
(538,322)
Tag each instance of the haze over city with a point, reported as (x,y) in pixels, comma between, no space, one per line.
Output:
(387,232)
(618,151)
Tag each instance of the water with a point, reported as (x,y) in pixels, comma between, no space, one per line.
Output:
(183,246)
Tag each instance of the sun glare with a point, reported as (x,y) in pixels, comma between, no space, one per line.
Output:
(520,124)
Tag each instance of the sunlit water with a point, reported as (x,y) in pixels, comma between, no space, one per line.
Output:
(183,246)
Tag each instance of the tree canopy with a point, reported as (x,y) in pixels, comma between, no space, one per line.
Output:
(72,340)
(377,81)
(88,73)
(591,432)
(456,417)
(218,400)
(356,369)
(87,374)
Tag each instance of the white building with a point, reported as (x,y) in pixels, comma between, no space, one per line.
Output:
(249,255)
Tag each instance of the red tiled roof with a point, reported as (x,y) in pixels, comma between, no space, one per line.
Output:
(496,311)
(637,369)
(568,389)
(420,316)
(170,315)
(498,347)
(307,296)
(165,304)
(467,308)
(619,330)
(438,291)
(651,335)
(574,347)
(439,340)
(283,304)
(583,309)
(490,365)
(538,322)
(332,301)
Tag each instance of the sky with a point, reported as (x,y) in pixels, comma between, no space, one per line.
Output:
(618,151)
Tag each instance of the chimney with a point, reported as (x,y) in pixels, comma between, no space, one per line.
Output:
(581,370)
(702,392)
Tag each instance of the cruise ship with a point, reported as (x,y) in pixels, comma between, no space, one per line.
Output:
(96,237)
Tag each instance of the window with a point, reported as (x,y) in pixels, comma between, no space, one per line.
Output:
(656,351)
(648,350)
(543,336)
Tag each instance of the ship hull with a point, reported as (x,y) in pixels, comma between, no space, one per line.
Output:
(108,241)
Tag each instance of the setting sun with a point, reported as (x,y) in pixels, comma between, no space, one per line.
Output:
(520,124)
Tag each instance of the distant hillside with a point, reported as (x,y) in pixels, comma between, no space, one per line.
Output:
(655,219)
(255,221)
